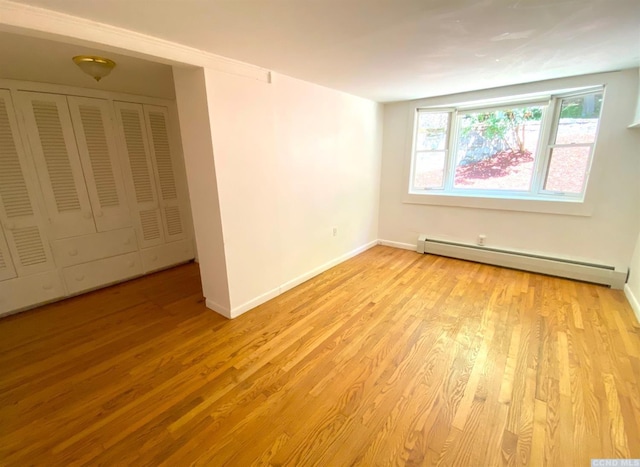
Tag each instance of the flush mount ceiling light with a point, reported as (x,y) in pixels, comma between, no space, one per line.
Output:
(98,67)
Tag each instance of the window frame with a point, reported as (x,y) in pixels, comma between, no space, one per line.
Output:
(551,144)
(536,199)
(446,150)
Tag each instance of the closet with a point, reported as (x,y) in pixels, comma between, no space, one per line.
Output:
(92,192)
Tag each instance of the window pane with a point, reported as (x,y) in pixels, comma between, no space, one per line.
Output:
(496,149)
(429,170)
(568,169)
(579,119)
(432,131)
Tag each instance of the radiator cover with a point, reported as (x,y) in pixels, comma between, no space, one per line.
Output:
(588,272)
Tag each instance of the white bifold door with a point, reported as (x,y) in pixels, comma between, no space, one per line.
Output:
(152,181)
(93,125)
(73,144)
(55,153)
(165,168)
(24,248)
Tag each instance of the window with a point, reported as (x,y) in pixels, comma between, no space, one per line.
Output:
(539,149)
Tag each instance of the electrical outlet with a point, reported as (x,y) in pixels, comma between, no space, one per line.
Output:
(335,231)
(481,239)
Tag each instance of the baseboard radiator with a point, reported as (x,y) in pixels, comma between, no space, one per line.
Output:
(587,272)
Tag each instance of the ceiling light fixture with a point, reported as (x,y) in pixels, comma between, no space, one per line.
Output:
(98,67)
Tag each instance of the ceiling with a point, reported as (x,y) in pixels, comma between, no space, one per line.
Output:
(34,59)
(389,50)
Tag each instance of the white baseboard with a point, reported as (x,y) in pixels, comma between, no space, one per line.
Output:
(404,246)
(265,297)
(328,265)
(254,302)
(633,301)
(221,310)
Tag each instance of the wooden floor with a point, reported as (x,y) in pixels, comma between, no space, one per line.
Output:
(389,358)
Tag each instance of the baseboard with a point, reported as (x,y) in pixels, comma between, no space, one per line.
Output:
(265,297)
(328,265)
(254,302)
(633,301)
(221,310)
(404,246)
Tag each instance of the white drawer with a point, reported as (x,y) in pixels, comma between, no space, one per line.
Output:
(28,291)
(163,256)
(101,272)
(78,250)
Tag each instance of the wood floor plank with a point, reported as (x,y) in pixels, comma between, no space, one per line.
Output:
(390,358)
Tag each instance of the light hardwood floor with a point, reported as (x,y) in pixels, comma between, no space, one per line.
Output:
(389,358)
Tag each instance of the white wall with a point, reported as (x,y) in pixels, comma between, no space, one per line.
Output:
(632,288)
(329,150)
(195,129)
(607,236)
(293,160)
(636,119)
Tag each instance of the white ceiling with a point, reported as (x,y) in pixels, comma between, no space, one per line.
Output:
(34,59)
(390,50)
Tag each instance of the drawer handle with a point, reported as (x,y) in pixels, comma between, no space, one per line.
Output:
(47,286)
(80,278)
(86,215)
(73,252)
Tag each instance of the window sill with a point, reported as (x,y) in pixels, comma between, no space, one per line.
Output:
(568,207)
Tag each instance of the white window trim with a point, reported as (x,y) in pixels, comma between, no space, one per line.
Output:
(544,202)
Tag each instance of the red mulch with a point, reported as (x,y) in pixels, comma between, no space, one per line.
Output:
(495,166)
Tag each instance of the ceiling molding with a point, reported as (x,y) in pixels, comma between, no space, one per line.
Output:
(18,17)
(33,86)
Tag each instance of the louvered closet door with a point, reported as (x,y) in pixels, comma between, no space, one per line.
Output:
(94,132)
(24,228)
(7,271)
(139,171)
(55,153)
(165,169)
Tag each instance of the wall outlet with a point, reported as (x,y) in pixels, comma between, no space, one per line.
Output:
(481,239)
(335,231)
